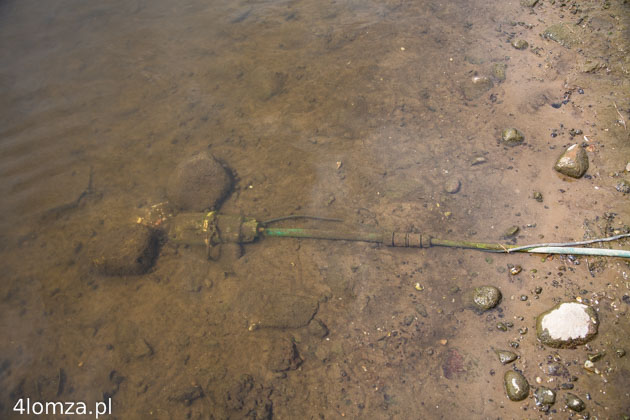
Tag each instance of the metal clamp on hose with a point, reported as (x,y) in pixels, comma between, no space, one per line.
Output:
(212,229)
(410,240)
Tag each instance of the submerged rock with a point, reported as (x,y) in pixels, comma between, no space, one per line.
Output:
(511,232)
(567,324)
(506,356)
(198,183)
(476,86)
(544,397)
(574,402)
(564,34)
(498,71)
(516,386)
(573,162)
(452,185)
(125,250)
(623,186)
(520,44)
(483,298)
(512,137)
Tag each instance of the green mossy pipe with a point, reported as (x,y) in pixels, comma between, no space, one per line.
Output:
(339,235)
(386,238)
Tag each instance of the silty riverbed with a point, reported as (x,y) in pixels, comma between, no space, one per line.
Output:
(502,122)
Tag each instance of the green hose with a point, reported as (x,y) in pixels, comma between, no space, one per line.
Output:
(419,241)
(324,234)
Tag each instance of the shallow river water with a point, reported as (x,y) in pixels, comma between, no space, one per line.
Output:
(385,114)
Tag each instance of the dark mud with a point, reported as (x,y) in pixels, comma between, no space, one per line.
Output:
(356,110)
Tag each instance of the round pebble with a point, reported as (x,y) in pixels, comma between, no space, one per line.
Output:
(452,186)
(516,386)
(512,137)
(484,298)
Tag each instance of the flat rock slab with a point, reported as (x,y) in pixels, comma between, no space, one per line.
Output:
(280,310)
(564,34)
(567,325)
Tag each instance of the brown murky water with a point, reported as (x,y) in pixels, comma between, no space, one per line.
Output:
(359,110)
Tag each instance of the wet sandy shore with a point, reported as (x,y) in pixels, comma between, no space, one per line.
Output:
(363,111)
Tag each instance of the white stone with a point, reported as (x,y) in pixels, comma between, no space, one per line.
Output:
(568,322)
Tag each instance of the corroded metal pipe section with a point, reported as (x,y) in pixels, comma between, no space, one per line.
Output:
(212,230)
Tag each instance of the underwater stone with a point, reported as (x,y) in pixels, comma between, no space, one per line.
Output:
(452,186)
(623,186)
(544,396)
(564,34)
(574,402)
(511,137)
(199,183)
(573,162)
(125,250)
(567,324)
(520,44)
(516,386)
(506,356)
(476,86)
(483,298)
(511,231)
(498,71)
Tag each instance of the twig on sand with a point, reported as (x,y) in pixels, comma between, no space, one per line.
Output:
(621,119)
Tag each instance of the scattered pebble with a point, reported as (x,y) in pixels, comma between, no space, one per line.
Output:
(506,356)
(515,269)
(452,186)
(480,159)
(574,402)
(516,386)
(476,86)
(483,298)
(544,396)
(520,44)
(512,137)
(623,186)
(573,162)
(511,231)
